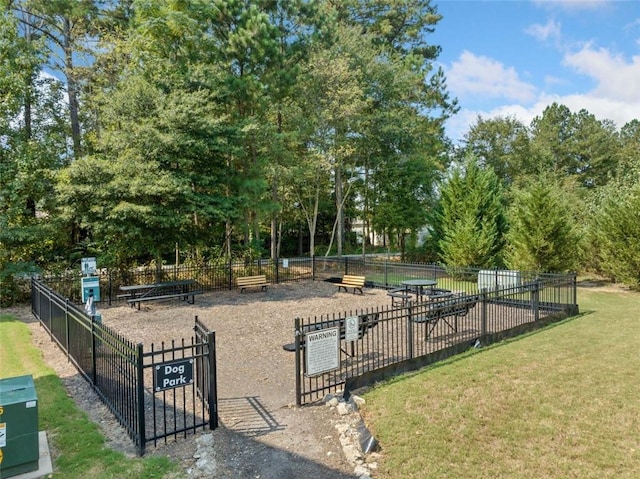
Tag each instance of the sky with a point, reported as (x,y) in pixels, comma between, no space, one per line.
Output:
(513,58)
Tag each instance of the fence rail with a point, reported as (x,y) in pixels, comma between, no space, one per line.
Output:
(380,271)
(411,335)
(500,303)
(125,376)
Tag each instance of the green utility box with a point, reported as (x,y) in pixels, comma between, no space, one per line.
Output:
(19,451)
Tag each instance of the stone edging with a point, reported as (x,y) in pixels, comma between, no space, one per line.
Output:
(359,446)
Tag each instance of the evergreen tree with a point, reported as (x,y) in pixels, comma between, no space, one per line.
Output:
(615,234)
(542,235)
(470,219)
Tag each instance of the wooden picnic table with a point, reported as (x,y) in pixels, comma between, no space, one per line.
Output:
(138,293)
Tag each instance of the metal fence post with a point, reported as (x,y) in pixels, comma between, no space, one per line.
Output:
(298,368)
(410,330)
(66,325)
(142,435)
(535,298)
(93,350)
(313,268)
(483,312)
(213,382)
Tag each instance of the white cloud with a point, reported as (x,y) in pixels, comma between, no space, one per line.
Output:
(550,31)
(573,4)
(617,79)
(479,75)
(615,96)
(620,112)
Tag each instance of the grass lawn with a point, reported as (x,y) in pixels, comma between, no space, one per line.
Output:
(77,446)
(559,403)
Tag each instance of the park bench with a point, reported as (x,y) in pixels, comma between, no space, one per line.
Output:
(367,322)
(140,293)
(447,309)
(351,281)
(250,281)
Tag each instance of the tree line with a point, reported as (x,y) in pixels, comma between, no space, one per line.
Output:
(136,130)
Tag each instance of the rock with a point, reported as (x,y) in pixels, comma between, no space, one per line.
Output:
(357,400)
(343,409)
(361,471)
(206,440)
(351,453)
(207,466)
(342,427)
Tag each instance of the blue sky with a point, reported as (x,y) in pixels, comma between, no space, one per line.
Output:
(515,57)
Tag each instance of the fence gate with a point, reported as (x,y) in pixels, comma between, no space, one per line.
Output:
(180,384)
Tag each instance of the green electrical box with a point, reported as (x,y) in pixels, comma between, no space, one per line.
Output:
(19,451)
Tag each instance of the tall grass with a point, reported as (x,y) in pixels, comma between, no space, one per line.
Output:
(559,403)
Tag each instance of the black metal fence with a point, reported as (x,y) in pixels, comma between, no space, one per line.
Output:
(387,341)
(382,271)
(157,394)
(210,277)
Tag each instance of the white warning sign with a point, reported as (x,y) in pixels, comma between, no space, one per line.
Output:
(323,351)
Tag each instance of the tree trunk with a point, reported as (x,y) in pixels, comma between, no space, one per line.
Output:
(339,219)
(72,90)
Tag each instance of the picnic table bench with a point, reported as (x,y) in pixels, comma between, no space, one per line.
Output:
(367,322)
(399,296)
(351,281)
(138,293)
(249,281)
(450,306)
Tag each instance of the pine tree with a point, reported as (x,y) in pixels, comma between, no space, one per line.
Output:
(542,231)
(470,219)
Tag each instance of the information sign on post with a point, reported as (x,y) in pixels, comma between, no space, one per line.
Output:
(323,351)
(90,286)
(88,265)
(351,328)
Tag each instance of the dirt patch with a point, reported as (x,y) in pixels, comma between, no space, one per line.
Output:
(262,434)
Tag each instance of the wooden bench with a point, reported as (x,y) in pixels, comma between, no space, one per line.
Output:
(351,281)
(367,322)
(249,281)
(450,307)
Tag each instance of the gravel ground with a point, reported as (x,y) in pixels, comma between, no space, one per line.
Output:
(262,434)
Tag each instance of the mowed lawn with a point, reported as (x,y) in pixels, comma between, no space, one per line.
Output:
(563,402)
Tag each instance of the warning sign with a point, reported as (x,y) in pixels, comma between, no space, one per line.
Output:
(323,351)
